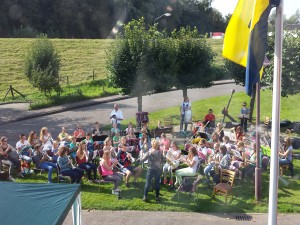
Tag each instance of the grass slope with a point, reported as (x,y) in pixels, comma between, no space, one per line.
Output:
(79,58)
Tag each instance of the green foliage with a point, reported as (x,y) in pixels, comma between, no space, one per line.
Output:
(235,71)
(194,59)
(140,62)
(290,64)
(42,66)
(96,19)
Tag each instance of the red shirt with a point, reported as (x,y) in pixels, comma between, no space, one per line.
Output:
(78,132)
(210,117)
(80,161)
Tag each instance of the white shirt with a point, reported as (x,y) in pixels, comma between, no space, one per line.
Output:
(118,114)
(194,168)
(185,106)
(21,145)
(173,154)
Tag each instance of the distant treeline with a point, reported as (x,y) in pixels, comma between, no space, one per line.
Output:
(102,18)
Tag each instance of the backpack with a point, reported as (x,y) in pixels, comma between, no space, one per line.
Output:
(142,117)
(186,185)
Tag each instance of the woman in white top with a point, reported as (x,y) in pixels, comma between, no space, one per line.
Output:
(192,162)
(172,156)
(46,138)
(287,155)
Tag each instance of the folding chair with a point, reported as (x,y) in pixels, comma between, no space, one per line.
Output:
(61,177)
(35,169)
(190,184)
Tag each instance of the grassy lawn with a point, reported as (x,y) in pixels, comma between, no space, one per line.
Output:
(243,201)
(244,193)
(290,108)
(79,58)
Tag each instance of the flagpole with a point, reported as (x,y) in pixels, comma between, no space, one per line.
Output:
(273,188)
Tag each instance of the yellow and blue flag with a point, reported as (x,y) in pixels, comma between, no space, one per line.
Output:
(245,40)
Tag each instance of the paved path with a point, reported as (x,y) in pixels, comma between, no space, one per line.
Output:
(95,217)
(98,111)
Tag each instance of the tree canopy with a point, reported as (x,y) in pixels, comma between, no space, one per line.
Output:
(97,19)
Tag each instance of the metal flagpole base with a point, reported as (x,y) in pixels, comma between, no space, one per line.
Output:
(257,184)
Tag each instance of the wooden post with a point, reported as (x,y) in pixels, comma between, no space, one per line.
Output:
(12,91)
(93,75)
(67,80)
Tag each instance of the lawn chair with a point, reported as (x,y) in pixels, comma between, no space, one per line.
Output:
(61,177)
(35,169)
(225,185)
(190,184)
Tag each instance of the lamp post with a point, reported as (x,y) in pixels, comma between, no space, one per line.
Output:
(161,16)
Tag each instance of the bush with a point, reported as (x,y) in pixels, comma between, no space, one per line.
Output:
(42,66)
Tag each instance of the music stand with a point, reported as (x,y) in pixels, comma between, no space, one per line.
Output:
(80,139)
(101,137)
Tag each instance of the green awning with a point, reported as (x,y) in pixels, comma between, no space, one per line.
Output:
(36,204)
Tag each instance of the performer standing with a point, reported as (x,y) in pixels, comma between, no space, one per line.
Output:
(184,108)
(244,116)
(116,116)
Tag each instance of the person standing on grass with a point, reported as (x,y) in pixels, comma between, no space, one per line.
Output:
(184,107)
(244,116)
(116,116)
(156,159)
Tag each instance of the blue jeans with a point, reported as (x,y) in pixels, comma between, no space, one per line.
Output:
(75,174)
(153,173)
(89,167)
(207,169)
(48,166)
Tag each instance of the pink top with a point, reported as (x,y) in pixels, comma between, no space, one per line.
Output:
(166,143)
(105,171)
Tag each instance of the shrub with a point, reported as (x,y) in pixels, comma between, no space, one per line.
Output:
(42,66)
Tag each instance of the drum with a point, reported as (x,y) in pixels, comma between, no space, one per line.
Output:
(188,116)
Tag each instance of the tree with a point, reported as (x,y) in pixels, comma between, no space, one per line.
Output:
(194,59)
(295,18)
(290,64)
(141,61)
(42,66)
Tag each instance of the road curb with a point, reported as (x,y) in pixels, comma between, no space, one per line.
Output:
(66,108)
(59,109)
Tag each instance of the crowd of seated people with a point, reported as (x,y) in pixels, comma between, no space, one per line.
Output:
(74,155)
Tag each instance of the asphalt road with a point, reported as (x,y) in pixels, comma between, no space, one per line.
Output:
(86,116)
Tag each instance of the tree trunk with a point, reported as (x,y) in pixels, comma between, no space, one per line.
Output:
(252,101)
(184,91)
(140,102)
